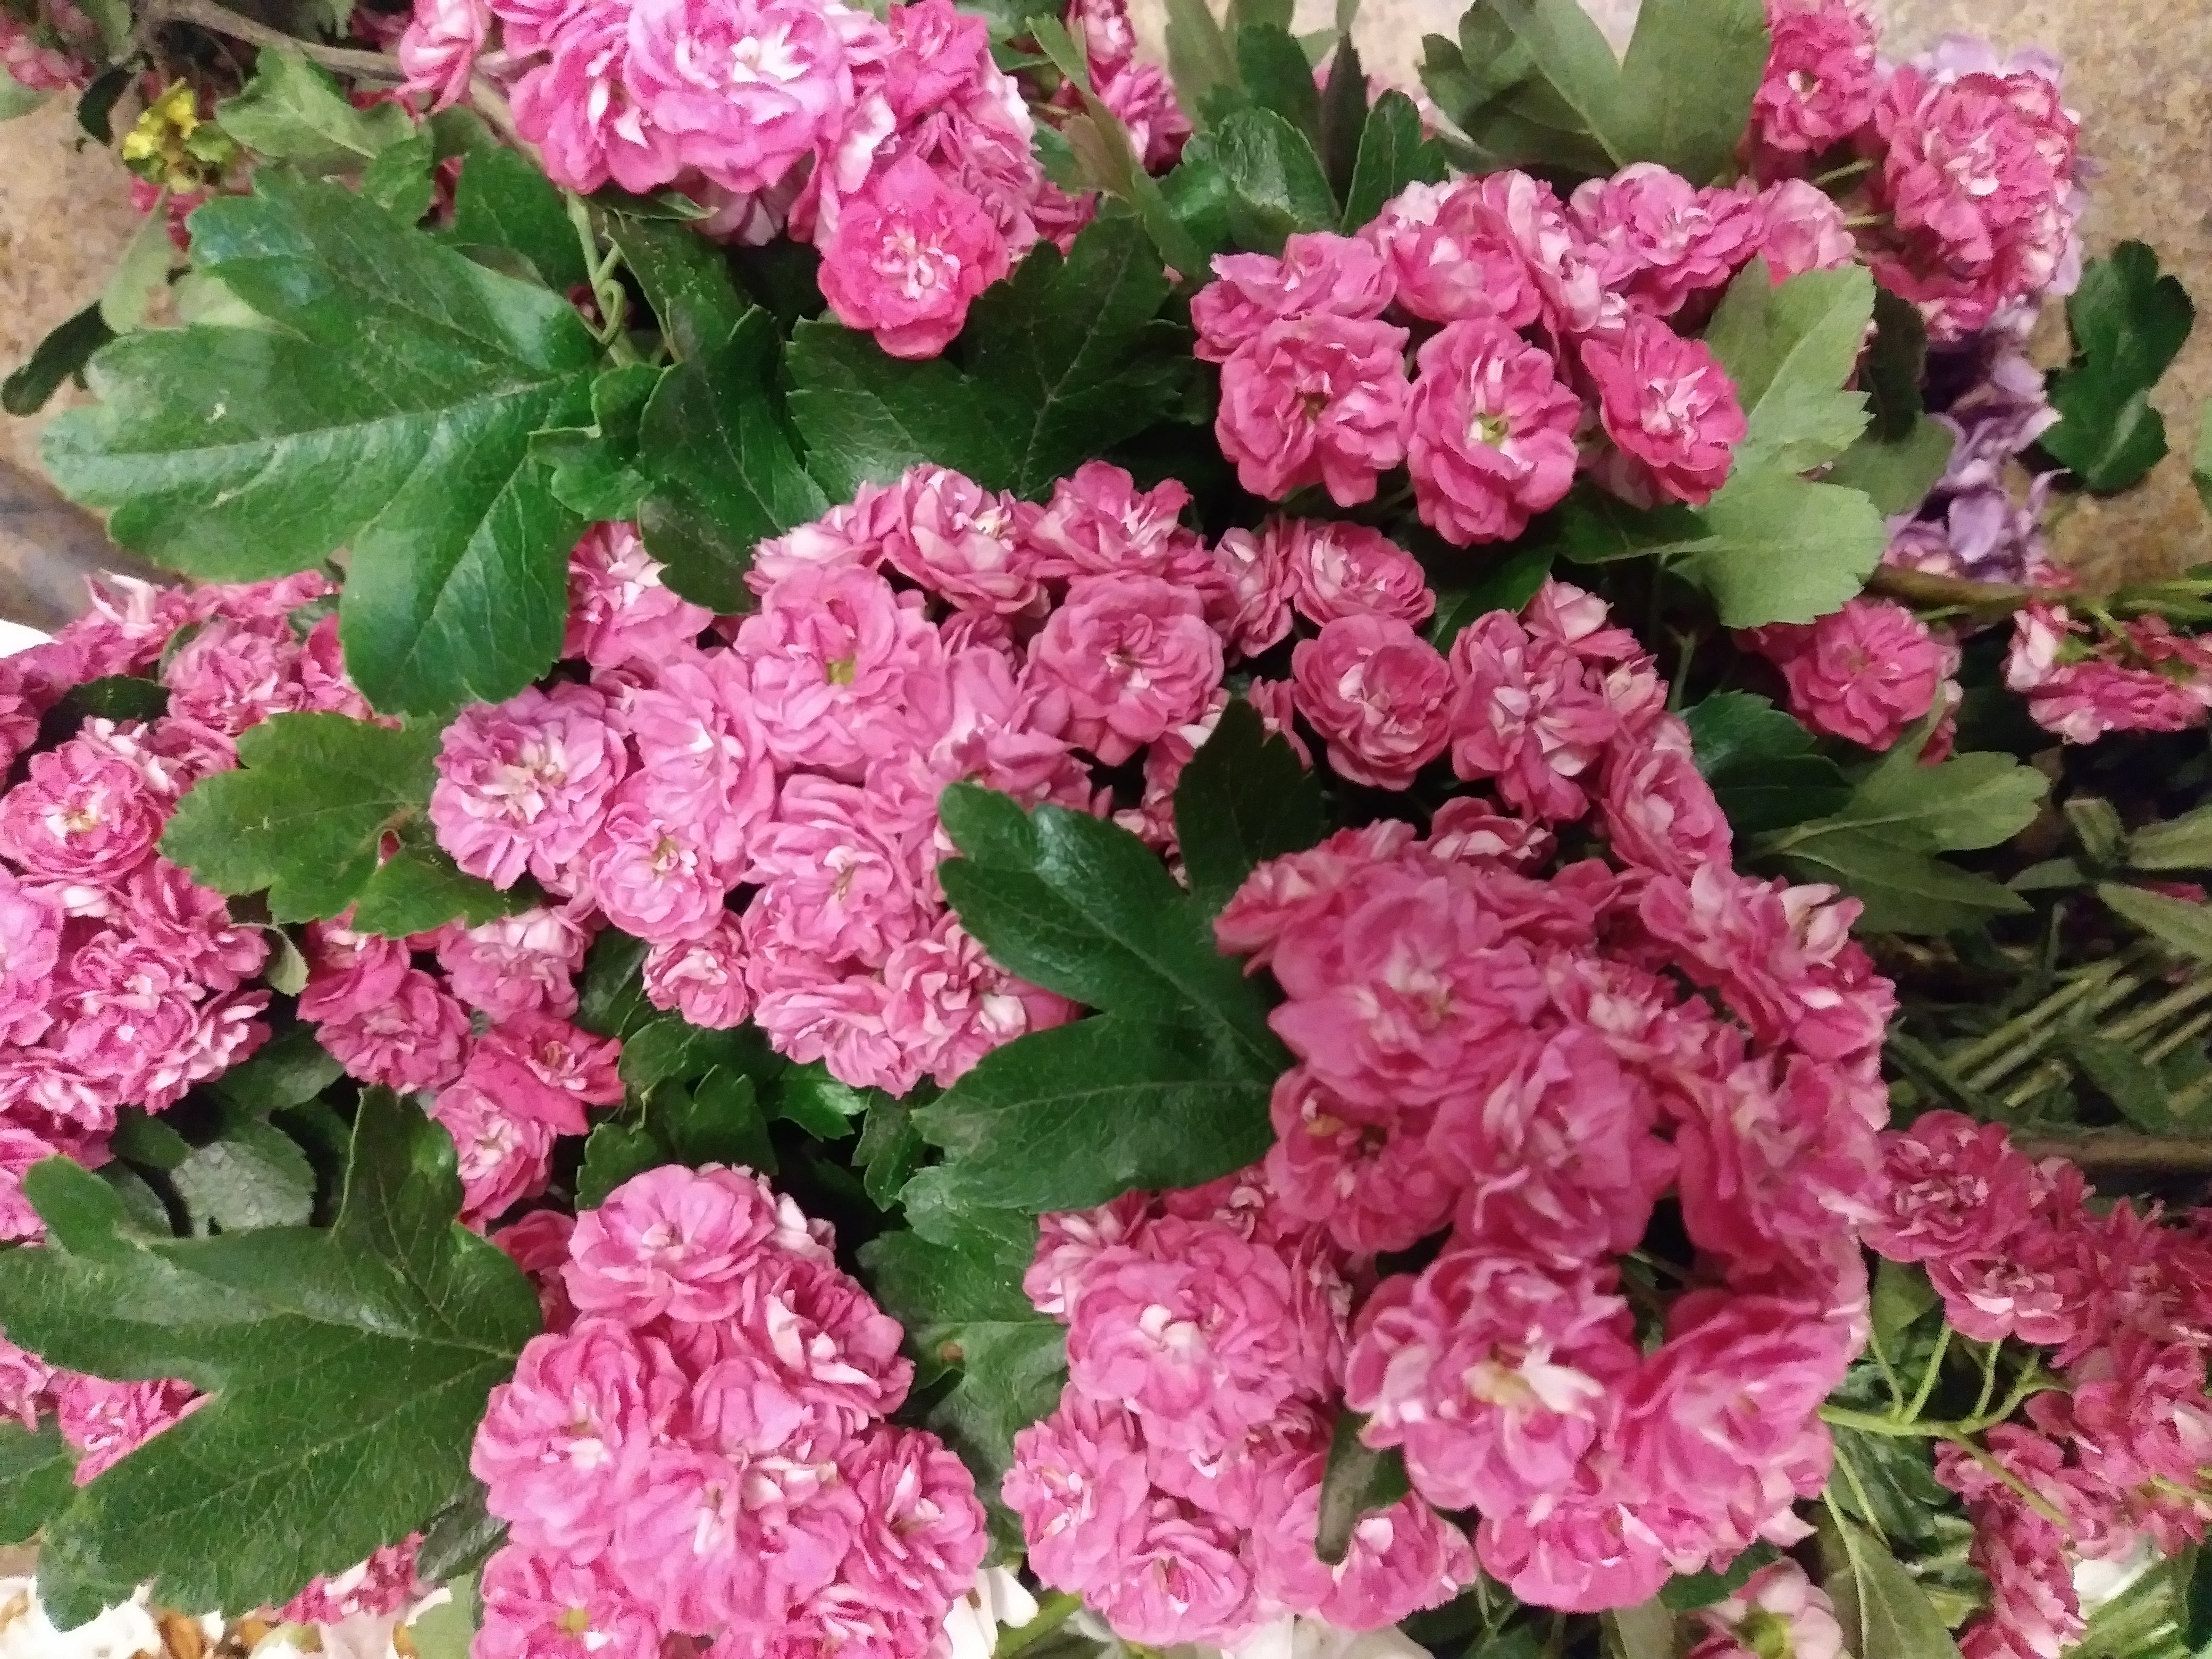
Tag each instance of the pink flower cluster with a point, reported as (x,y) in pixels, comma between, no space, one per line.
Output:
(1503,1047)
(101,1422)
(1529,322)
(2139,676)
(897,148)
(1140,93)
(51,52)
(122,982)
(701,1449)
(1866,673)
(2124,1304)
(1178,1487)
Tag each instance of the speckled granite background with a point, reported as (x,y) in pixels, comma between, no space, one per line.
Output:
(2139,71)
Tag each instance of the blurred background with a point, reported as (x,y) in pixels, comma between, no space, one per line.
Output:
(2139,71)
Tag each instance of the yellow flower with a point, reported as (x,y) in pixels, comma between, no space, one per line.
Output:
(172,145)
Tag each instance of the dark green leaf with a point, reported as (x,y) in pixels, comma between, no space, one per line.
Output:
(117,697)
(460,1538)
(1243,799)
(1068,1118)
(1344,118)
(1687,1592)
(148,1140)
(1893,366)
(2128,324)
(1082,907)
(1393,153)
(251,1175)
(2200,461)
(890,1150)
(613,1153)
(611,999)
(304,816)
(2179,924)
(826,1109)
(595,469)
(2197,1599)
(1359,1480)
(1275,180)
(348,1369)
(1687,85)
(1967,802)
(37,1478)
(2122,1076)
(293,110)
(725,473)
(667,1046)
(389,413)
(502,201)
(288,1070)
(96,110)
(1764,767)
(60,356)
(718,1121)
(1276,76)
(1595,526)
(1884,1613)
(686,279)
(867,417)
(142,1205)
(1896,475)
(1506,581)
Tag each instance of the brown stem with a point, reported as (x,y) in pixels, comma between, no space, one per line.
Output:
(1993,598)
(221,20)
(2114,1149)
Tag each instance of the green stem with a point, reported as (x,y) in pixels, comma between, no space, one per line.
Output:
(1051,1612)
(2007,1036)
(1857,1640)
(1859,1492)
(1928,1377)
(1865,220)
(1989,1376)
(1888,1370)
(1838,175)
(2035,1500)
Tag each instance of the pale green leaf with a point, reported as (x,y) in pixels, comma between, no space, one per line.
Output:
(143,267)
(2182,843)
(1790,348)
(1570,52)
(292,111)
(1884,1612)
(1896,474)
(1778,548)
(1687,85)
(2181,925)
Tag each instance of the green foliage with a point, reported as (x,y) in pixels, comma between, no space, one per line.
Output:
(1276,76)
(1686,84)
(1199,57)
(1896,474)
(1357,1481)
(1276,184)
(1393,153)
(142,267)
(613,1154)
(1507,580)
(1763,766)
(1779,548)
(1645,1630)
(2182,843)
(1881,846)
(686,279)
(37,1478)
(1893,366)
(502,201)
(596,468)
(2200,462)
(61,356)
(725,467)
(389,412)
(2128,325)
(1790,348)
(2179,924)
(1063,360)
(250,1175)
(288,1070)
(1885,1613)
(292,111)
(303,818)
(348,1369)
(826,1109)
(1243,799)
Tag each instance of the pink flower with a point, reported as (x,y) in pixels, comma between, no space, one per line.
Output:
(1454,255)
(1490,1373)
(439,48)
(1184,1580)
(2034,1288)
(2147,680)
(349,975)
(830,655)
(1528,716)
(523,785)
(19,1150)
(538,1244)
(822,1332)
(1669,406)
(30,949)
(1956,1189)
(698,741)
(1779,1595)
(1318,274)
(957,539)
(416,1038)
(1821,77)
(1142,100)
(1133,656)
(619,612)
(909,253)
(849,536)
(379,1587)
(650,865)
(675,1240)
(1339,570)
(924,1534)
(190,925)
(538,1607)
(1668,239)
(1659,811)
(560,1443)
(938,54)
(1580,1551)
(811,1010)
(1379,694)
(24,1381)
(701,979)
(1098,523)
(1077,1483)
(1805,230)
(743,87)
(948,1005)
(1372,1183)
(1400,1560)
(540,1068)
(80,819)
(524,963)
(1259,576)
(578,106)
(1489,432)
(1315,400)
(505,1157)
(1867,672)
(105,1422)
(841,878)
(235,673)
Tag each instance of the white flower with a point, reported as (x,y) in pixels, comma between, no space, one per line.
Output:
(971,1629)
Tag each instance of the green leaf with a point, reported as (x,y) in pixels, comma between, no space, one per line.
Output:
(399,179)
(2128,324)
(250,1175)
(2122,1076)
(1896,474)
(1969,801)
(2182,843)
(1566,49)
(290,1069)
(1687,1592)
(445,1631)
(1509,580)
(1343,117)
(613,1154)
(1764,768)
(502,201)
(1068,1118)
(1358,1480)
(890,1149)
(117,697)
(348,1369)
(1276,76)
(1789,348)
(1894,365)
(1082,907)
(1393,153)
(304,816)
(595,472)
(611,1002)
(459,1539)
(960,1302)
(826,1109)
(292,111)
(1243,799)
(718,1121)
(1884,1613)
(61,356)
(2200,463)
(143,267)
(16,98)
(1275,179)
(148,1140)
(1199,55)
(37,1478)
(2180,924)
(1901,1296)
(1645,1630)
(1780,548)
(1594,526)
(1687,85)
(867,418)
(667,1045)
(725,473)
(686,279)
(389,413)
